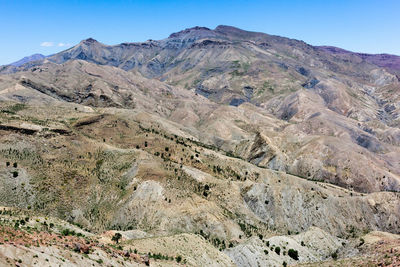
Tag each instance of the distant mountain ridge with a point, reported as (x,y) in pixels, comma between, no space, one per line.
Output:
(387,61)
(27,59)
(123,55)
(189,36)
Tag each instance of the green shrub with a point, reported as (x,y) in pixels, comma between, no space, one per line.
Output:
(65,232)
(116,237)
(294,254)
(278,250)
(178,258)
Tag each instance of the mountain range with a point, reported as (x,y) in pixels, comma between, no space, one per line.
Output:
(27,59)
(237,142)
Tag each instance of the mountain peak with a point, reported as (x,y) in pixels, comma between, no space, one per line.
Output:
(189,31)
(223,28)
(89,41)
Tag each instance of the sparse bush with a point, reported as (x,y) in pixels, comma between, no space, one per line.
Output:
(7,163)
(302,243)
(294,254)
(65,232)
(178,258)
(334,255)
(278,250)
(15,174)
(266,252)
(15,165)
(116,237)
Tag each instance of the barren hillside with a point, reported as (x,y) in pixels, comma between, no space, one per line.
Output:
(208,148)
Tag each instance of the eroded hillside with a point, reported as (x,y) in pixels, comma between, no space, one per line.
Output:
(223,141)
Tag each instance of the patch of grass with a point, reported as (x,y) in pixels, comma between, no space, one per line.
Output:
(14,109)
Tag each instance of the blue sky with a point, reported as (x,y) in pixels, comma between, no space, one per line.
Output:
(46,27)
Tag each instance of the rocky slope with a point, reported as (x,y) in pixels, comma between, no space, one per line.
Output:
(227,142)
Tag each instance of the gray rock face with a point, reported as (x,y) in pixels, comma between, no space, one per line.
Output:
(288,207)
(312,246)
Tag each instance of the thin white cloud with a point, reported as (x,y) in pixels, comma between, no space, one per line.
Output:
(47,44)
(63,44)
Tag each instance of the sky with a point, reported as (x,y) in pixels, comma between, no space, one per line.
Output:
(47,27)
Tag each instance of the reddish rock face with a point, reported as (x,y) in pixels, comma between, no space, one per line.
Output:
(85,249)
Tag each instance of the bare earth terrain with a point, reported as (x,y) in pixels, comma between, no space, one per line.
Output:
(208,148)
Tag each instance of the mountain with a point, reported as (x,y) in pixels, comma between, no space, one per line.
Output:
(237,142)
(387,61)
(33,57)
